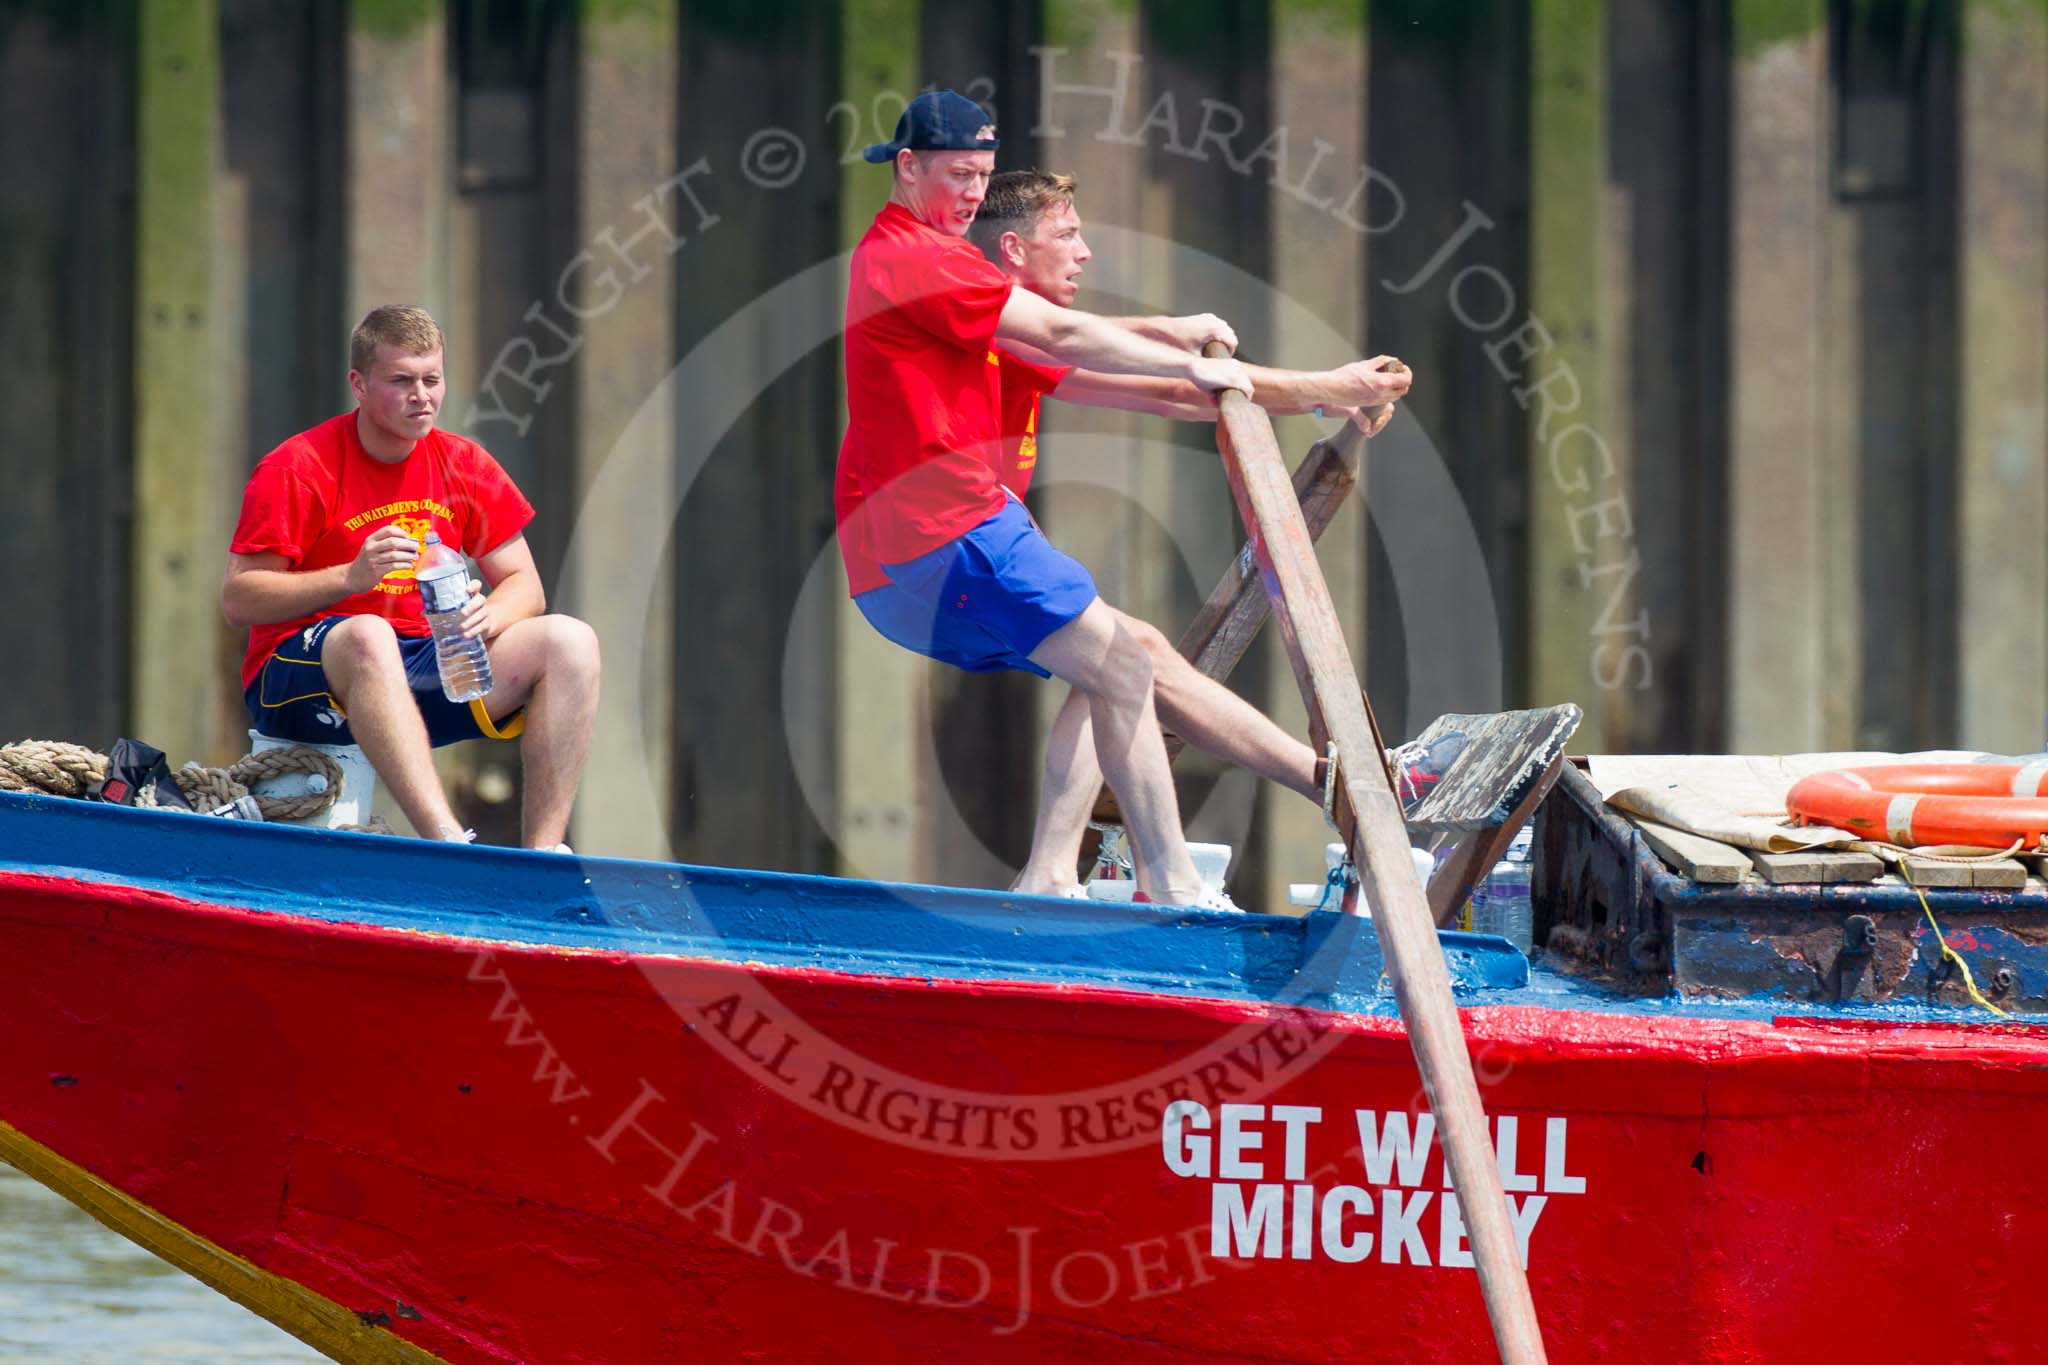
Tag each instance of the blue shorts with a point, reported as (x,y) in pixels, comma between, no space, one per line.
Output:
(289,698)
(984,601)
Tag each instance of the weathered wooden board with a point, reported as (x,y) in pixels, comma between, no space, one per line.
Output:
(1503,754)
(1691,855)
(1817,865)
(1995,874)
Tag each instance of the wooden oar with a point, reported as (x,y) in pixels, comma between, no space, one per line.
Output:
(1236,608)
(1230,620)
(1379,846)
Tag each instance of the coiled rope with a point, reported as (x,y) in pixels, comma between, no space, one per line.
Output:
(61,769)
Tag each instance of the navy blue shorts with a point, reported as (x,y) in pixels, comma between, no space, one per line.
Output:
(289,698)
(982,602)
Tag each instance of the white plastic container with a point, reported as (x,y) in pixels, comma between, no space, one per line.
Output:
(1212,864)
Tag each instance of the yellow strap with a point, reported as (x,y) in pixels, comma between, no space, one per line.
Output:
(511,729)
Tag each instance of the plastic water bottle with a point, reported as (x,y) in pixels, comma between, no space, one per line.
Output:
(1500,904)
(443,580)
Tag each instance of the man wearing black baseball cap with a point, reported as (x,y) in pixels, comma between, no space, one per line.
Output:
(1029,227)
(940,558)
(938,121)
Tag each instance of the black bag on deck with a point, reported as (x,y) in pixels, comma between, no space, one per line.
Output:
(132,765)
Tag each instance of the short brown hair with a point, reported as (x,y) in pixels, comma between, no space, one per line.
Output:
(412,330)
(1016,200)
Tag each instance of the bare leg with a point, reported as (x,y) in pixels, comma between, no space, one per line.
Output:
(367,676)
(549,665)
(1107,664)
(1217,721)
(1194,706)
(1066,798)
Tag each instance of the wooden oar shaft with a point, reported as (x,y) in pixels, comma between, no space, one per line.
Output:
(1422,985)
(1236,608)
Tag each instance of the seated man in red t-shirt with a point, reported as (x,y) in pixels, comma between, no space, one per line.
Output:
(1028,227)
(321,574)
(940,558)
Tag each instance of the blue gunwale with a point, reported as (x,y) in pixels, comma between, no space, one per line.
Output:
(789,920)
(723,914)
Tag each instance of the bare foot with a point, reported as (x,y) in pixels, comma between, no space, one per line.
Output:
(1028,884)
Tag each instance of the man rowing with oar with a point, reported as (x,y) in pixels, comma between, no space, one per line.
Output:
(940,557)
(1028,227)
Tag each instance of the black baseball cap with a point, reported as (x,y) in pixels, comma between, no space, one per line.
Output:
(938,121)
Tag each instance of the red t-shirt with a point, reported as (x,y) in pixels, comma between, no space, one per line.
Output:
(918,465)
(319,496)
(1023,384)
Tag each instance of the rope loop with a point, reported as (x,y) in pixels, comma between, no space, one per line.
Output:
(61,769)
(1342,875)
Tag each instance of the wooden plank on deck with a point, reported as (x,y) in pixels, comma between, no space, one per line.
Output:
(1817,866)
(2002,874)
(1694,855)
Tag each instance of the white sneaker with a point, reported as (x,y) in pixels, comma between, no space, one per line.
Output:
(1211,898)
(560,848)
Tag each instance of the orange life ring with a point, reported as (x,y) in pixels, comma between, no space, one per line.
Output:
(1984,805)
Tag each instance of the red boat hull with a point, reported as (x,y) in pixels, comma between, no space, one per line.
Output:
(506,1153)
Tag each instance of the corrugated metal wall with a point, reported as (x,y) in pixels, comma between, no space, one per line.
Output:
(1730,325)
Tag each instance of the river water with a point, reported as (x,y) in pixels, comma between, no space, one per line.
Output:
(73,1292)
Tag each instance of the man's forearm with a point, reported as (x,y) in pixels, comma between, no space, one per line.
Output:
(1095,343)
(1158,329)
(263,597)
(1175,398)
(1279,391)
(1290,392)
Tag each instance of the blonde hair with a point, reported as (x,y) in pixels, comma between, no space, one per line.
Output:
(412,330)
(1015,201)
